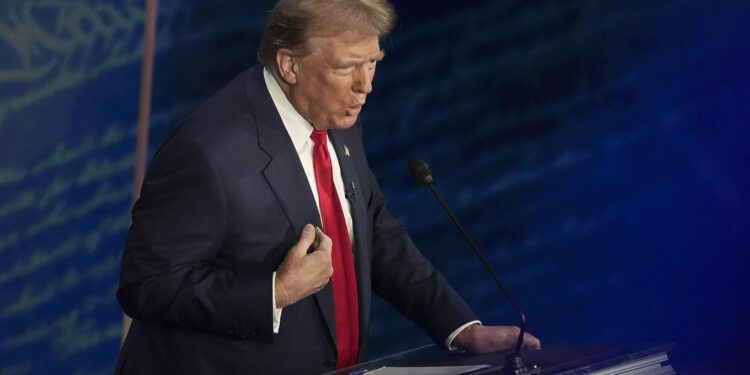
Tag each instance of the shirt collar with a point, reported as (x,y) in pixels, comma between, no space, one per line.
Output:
(298,128)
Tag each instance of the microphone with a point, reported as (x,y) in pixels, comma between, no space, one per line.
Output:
(350,191)
(420,172)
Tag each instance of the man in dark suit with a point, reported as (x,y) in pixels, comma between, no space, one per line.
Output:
(261,232)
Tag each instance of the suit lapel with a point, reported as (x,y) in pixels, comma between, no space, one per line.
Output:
(286,177)
(353,189)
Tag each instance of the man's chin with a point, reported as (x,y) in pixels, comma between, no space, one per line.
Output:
(345,123)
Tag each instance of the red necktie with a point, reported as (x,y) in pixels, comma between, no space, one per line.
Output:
(343,279)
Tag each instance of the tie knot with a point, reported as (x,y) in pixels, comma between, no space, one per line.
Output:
(320,137)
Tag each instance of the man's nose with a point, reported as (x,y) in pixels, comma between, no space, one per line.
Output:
(363,80)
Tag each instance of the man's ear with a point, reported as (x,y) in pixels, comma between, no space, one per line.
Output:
(287,64)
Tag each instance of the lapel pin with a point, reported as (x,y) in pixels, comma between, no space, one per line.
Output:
(346,151)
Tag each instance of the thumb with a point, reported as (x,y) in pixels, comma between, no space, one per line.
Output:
(305,240)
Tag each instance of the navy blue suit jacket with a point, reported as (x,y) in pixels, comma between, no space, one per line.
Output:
(225,197)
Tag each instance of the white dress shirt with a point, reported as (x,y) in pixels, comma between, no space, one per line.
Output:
(299,131)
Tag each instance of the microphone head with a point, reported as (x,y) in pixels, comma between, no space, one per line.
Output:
(420,172)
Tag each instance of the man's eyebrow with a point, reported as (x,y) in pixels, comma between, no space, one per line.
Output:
(378,57)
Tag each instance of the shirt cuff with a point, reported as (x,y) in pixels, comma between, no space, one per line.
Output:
(449,340)
(276,312)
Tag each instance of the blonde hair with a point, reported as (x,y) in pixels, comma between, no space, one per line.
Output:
(292,22)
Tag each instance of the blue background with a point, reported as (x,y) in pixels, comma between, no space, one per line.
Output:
(597,151)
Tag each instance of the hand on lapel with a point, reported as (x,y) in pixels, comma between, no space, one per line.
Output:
(303,273)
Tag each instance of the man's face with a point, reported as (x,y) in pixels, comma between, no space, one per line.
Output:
(333,80)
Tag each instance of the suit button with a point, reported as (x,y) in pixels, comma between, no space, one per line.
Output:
(330,363)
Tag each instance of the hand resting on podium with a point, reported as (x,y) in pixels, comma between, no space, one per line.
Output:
(485,339)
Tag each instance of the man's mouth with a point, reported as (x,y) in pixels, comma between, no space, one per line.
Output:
(354,110)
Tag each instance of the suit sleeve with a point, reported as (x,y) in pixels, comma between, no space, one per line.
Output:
(407,280)
(171,270)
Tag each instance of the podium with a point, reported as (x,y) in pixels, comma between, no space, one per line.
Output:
(594,360)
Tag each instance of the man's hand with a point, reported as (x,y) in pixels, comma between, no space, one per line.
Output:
(484,339)
(302,274)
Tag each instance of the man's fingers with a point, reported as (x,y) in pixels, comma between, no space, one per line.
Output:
(323,249)
(531,342)
(305,240)
(323,242)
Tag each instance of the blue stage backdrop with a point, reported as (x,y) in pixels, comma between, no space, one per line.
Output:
(597,150)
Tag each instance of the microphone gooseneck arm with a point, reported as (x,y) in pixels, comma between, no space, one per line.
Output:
(487,266)
(420,172)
